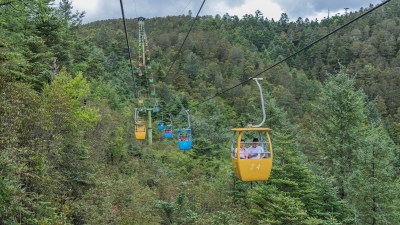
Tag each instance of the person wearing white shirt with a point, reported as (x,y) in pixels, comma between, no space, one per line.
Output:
(255,151)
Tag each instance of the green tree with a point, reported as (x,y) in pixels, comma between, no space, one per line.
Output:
(102,39)
(96,62)
(373,191)
(277,208)
(340,114)
(192,66)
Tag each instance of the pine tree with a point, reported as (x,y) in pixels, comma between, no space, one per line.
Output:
(359,155)
(277,208)
(340,114)
(325,204)
(373,191)
(192,66)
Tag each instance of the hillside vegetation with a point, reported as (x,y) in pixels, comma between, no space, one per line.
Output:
(68,153)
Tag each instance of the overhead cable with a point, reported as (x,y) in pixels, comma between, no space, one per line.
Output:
(129,49)
(180,49)
(297,52)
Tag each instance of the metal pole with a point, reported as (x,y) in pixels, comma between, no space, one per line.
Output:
(187,112)
(150,129)
(262,102)
(143,42)
(135,115)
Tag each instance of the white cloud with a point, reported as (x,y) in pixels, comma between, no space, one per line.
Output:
(267,7)
(109,9)
(91,7)
(319,8)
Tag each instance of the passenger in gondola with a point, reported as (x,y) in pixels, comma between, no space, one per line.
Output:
(181,138)
(255,151)
(244,153)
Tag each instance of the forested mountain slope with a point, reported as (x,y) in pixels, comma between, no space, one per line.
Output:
(68,152)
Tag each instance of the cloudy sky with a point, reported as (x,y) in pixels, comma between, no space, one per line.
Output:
(110,9)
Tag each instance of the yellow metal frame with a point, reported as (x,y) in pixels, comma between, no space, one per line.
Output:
(140,130)
(252,169)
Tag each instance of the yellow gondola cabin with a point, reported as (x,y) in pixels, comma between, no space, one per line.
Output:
(252,169)
(140,130)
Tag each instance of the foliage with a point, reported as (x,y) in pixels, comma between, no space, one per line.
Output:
(277,208)
(67,99)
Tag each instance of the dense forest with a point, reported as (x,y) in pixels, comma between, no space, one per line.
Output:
(68,153)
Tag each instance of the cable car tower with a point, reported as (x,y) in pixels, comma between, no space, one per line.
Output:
(147,98)
(144,62)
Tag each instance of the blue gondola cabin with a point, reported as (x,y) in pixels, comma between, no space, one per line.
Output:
(185,139)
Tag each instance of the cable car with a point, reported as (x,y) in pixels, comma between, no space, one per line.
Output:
(185,139)
(153,92)
(160,123)
(185,136)
(140,98)
(140,73)
(151,79)
(168,130)
(140,127)
(140,130)
(258,167)
(156,109)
